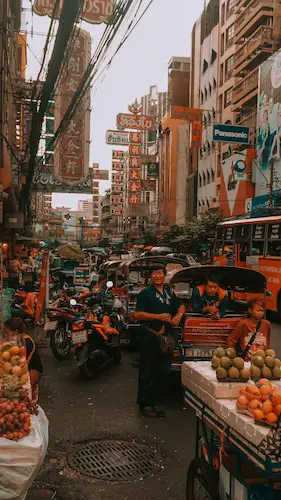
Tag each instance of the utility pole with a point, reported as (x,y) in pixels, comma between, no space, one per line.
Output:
(69,14)
(3,34)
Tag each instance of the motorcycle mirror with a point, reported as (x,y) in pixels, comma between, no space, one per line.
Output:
(109,284)
(73,302)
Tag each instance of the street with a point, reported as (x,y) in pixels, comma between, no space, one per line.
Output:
(104,408)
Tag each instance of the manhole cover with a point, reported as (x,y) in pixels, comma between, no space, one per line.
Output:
(115,461)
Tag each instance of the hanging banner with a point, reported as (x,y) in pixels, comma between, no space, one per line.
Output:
(152,169)
(135,162)
(135,150)
(187,114)
(118,155)
(43,286)
(138,122)
(94,12)
(149,184)
(72,154)
(135,137)
(196,135)
(116,137)
(101,175)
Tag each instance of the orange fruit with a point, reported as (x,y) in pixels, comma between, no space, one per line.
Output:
(254,405)
(16,370)
(22,351)
(258,415)
(6,356)
(277,410)
(276,400)
(243,391)
(264,381)
(7,367)
(24,379)
(253,390)
(271,417)
(265,390)
(242,403)
(267,407)
(14,350)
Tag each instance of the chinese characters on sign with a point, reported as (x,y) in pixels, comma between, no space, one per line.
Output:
(135,150)
(118,155)
(196,135)
(138,122)
(101,175)
(94,12)
(135,137)
(135,162)
(72,151)
(117,165)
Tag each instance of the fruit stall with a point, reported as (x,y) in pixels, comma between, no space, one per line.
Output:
(238,431)
(23,424)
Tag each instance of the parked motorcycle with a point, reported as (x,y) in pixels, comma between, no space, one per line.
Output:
(96,341)
(58,328)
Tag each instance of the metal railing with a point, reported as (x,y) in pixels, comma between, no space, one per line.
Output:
(259,37)
(245,85)
(250,9)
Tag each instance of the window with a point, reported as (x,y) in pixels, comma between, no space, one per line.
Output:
(202,97)
(229,67)
(186,66)
(274,249)
(229,35)
(274,240)
(223,14)
(204,181)
(228,97)
(222,44)
(206,94)
(212,175)
(177,65)
(214,84)
(208,149)
(208,177)
(200,180)
(213,56)
(205,66)
(147,197)
(210,89)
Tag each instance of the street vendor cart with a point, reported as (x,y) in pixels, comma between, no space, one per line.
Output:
(200,334)
(236,457)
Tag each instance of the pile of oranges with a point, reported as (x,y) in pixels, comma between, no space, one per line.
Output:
(262,401)
(13,367)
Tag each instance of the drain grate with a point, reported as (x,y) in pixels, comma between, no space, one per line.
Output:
(115,461)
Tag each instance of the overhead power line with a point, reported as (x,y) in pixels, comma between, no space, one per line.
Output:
(69,14)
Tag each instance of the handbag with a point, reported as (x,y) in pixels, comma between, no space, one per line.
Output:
(243,353)
(166,343)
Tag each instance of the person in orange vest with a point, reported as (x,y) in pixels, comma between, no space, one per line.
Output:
(210,299)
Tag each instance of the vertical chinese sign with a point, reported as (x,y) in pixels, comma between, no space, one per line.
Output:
(118,172)
(72,150)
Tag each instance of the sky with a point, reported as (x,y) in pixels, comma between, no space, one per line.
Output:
(164,32)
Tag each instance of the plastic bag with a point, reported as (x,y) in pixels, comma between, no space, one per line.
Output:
(21,461)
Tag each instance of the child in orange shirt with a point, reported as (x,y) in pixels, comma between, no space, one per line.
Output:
(245,329)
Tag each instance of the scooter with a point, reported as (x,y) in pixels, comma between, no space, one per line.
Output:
(58,328)
(96,341)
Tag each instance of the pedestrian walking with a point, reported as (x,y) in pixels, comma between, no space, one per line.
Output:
(158,310)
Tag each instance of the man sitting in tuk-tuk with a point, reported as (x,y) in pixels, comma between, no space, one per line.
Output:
(210,299)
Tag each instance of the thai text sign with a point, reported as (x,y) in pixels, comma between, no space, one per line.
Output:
(138,122)
(101,175)
(187,114)
(231,133)
(116,137)
(45,181)
(94,11)
(72,151)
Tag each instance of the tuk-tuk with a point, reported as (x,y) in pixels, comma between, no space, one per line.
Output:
(201,335)
(110,268)
(135,277)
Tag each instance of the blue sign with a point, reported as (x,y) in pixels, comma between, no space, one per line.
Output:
(231,133)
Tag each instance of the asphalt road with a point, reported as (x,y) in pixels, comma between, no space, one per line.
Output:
(105,408)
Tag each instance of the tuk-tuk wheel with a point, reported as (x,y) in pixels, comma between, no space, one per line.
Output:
(202,481)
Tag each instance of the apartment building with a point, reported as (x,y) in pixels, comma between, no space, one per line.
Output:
(257,31)
(208,94)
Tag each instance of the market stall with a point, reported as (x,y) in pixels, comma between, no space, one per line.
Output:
(237,456)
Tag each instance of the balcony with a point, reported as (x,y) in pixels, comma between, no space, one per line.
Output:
(249,17)
(245,89)
(253,52)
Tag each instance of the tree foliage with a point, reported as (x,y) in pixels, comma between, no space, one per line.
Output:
(196,234)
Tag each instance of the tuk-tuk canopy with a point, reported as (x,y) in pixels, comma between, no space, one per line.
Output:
(145,263)
(231,279)
(71,252)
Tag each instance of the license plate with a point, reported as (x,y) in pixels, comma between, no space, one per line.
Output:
(199,353)
(50,325)
(80,337)
(125,341)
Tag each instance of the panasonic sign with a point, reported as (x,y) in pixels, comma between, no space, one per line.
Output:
(231,133)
